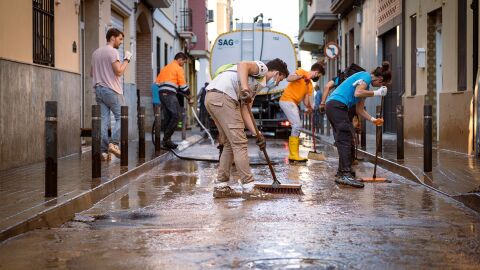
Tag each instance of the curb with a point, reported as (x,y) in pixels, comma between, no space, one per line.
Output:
(470,200)
(65,211)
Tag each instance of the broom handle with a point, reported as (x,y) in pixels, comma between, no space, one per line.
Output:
(264,150)
(377,143)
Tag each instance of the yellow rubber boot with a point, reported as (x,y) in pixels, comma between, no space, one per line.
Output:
(293,145)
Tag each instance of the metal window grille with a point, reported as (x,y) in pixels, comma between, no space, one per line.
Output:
(186,20)
(43,32)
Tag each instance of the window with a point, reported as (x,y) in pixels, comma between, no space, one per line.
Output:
(159,54)
(413,55)
(43,30)
(462,45)
(165,52)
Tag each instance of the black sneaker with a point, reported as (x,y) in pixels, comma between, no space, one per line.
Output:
(170,145)
(347,179)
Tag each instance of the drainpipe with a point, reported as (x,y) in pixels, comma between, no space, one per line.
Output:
(404,19)
(476,82)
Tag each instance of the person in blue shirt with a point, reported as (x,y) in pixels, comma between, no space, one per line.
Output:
(352,92)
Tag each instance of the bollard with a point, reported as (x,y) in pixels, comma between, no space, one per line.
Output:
(427,138)
(400,146)
(51,167)
(363,134)
(141,132)
(378,130)
(322,123)
(184,123)
(96,142)
(328,128)
(124,136)
(158,124)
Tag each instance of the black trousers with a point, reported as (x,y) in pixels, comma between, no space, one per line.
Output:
(172,114)
(337,115)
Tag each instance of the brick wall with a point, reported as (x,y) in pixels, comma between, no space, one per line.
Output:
(144,76)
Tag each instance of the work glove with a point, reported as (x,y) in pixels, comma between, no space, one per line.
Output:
(382,91)
(261,142)
(322,108)
(128,56)
(377,121)
(246,96)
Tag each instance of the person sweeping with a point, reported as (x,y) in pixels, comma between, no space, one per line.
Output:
(352,92)
(231,115)
(300,88)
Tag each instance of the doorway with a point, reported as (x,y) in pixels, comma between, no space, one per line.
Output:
(392,54)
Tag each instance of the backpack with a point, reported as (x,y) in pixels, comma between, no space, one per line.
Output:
(349,71)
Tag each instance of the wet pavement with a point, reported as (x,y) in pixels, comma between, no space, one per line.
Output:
(168,219)
(22,189)
(453,173)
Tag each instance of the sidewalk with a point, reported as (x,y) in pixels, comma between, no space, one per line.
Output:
(22,201)
(454,174)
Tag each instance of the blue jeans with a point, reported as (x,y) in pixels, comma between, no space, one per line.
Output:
(109,100)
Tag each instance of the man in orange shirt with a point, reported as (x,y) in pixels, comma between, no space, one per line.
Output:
(299,89)
(170,81)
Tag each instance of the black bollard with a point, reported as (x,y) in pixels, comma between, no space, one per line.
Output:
(378,130)
(400,146)
(158,124)
(427,138)
(124,136)
(51,167)
(322,123)
(96,142)
(184,123)
(363,134)
(141,132)
(328,128)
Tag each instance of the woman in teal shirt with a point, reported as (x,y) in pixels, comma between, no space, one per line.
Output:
(352,92)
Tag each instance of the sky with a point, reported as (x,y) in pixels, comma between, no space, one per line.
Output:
(284,14)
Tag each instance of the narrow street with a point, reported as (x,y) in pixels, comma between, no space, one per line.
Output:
(168,219)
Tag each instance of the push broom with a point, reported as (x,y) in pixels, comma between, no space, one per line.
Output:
(276,186)
(374,178)
(314,155)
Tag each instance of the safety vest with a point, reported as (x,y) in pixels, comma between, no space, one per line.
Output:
(171,78)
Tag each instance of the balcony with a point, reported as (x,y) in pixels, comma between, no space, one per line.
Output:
(184,24)
(342,6)
(310,40)
(159,3)
(318,16)
(315,19)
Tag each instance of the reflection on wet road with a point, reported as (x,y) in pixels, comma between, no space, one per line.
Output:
(167,219)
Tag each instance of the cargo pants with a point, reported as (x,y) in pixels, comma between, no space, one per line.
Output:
(225,111)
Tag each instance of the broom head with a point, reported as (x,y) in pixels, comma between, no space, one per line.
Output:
(280,188)
(313,155)
(374,180)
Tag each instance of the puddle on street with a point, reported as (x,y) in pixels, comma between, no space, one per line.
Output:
(167,218)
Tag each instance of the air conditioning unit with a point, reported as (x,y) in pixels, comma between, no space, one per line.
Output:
(209,16)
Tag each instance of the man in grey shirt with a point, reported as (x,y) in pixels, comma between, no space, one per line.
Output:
(106,72)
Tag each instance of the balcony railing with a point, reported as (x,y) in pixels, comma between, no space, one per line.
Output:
(185,22)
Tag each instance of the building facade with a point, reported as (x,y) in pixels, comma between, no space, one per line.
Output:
(39,62)
(429,44)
